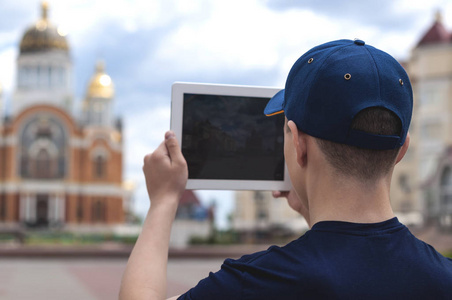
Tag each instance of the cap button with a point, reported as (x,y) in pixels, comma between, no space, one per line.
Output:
(359,42)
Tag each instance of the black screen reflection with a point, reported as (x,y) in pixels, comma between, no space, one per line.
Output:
(229,137)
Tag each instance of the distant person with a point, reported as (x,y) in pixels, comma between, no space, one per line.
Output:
(348,107)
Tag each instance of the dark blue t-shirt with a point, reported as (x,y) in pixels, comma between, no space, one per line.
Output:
(336,260)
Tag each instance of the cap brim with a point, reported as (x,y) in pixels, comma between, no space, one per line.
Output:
(275,105)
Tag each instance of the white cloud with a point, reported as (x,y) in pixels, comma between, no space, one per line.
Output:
(8,69)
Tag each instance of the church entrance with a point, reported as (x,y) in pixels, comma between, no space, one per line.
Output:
(42,210)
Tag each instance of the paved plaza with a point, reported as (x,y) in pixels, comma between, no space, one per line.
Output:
(88,279)
(95,273)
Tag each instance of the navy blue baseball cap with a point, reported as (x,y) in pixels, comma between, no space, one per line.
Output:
(331,83)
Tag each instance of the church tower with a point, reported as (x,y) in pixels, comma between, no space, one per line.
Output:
(44,67)
(97,107)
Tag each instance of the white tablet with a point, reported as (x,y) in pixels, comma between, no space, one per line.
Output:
(227,141)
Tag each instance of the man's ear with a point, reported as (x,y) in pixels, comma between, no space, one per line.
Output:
(403,149)
(299,142)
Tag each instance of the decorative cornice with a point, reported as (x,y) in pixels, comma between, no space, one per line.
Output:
(9,140)
(61,187)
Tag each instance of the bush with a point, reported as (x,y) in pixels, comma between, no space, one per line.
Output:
(7,237)
(218,237)
(67,238)
(448,254)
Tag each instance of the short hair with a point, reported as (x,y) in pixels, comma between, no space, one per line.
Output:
(365,164)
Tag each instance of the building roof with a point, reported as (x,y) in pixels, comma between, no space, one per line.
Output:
(43,36)
(437,33)
(188,197)
(100,85)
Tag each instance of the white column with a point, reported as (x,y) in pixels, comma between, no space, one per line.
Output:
(27,208)
(56,209)
(31,208)
(51,209)
(62,207)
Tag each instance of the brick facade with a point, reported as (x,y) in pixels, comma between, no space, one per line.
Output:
(91,190)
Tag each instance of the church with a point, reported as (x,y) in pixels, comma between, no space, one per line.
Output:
(59,167)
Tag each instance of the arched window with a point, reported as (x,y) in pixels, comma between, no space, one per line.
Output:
(99,166)
(446,178)
(98,211)
(22,77)
(43,155)
(43,145)
(2,207)
(261,207)
(43,165)
(98,113)
(79,210)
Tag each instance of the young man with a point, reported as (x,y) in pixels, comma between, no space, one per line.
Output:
(348,107)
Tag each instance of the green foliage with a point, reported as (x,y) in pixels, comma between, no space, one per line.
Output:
(448,254)
(7,237)
(218,237)
(68,238)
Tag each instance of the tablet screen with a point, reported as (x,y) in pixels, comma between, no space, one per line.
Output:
(229,137)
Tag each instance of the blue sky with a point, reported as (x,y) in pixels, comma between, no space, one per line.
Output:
(149,44)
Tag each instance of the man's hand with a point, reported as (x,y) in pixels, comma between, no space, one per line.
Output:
(165,171)
(294,202)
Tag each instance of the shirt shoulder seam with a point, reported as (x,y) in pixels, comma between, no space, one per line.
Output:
(361,233)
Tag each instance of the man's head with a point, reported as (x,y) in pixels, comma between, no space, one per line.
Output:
(355,100)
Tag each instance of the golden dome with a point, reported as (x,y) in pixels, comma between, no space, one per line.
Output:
(43,36)
(100,85)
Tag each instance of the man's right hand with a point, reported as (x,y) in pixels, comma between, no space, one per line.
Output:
(294,202)
(165,171)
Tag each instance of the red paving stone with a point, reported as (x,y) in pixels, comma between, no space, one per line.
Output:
(84,278)
(176,288)
(6,275)
(101,279)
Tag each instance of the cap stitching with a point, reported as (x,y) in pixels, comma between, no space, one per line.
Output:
(376,69)
(379,87)
(318,71)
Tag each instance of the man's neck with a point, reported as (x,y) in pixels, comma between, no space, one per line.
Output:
(335,198)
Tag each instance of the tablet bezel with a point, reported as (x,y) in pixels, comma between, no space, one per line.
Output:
(177,102)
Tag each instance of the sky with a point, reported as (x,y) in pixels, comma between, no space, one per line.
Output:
(149,44)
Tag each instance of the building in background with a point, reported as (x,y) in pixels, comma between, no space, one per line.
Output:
(258,217)
(423,182)
(193,221)
(57,167)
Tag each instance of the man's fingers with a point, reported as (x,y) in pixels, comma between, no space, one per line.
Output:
(161,150)
(279,194)
(169,134)
(169,148)
(173,147)
(276,194)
